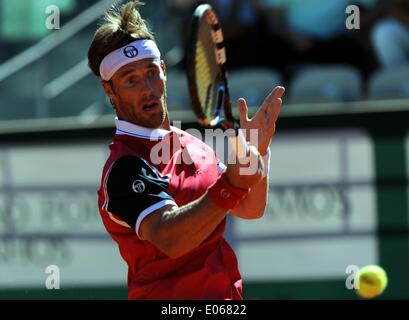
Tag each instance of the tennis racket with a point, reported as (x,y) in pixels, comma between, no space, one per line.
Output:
(207,77)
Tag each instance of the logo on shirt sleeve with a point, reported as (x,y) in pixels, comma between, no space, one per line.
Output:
(138,186)
(224,193)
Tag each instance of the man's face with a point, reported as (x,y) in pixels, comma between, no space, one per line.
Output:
(139,93)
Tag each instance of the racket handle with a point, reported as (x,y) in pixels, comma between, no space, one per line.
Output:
(239,145)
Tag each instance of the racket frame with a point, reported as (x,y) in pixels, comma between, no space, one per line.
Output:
(227,121)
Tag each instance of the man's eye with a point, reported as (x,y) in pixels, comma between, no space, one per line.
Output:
(152,72)
(131,80)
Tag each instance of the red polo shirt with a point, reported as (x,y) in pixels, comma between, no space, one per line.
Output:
(146,170)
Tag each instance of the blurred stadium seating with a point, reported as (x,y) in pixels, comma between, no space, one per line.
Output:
(50,77)
(326,84)
(176,84)
(261,80)
(390,83)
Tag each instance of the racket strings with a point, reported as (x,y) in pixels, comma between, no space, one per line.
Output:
(204,79)
(208,82)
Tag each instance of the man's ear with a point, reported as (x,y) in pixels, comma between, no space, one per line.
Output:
(108,89)
(163,66)
(109,92)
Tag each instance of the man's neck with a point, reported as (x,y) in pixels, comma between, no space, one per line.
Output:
(166,123)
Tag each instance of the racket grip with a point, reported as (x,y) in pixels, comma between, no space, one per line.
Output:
(239,145)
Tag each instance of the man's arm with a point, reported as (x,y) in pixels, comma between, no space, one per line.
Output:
(254,204)
(264,121)
(178,230)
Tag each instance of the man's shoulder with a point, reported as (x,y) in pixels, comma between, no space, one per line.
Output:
(126,146)
(124,157)
(126,161)
(192,136)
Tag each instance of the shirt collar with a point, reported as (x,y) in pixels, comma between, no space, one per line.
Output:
(131,129)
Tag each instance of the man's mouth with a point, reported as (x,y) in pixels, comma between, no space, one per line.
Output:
(150,106)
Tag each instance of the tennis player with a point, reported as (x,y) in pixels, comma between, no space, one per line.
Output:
(168,219)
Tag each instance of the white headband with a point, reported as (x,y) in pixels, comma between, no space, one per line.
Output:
(134,51)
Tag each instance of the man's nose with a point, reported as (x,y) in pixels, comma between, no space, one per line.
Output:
(148,85)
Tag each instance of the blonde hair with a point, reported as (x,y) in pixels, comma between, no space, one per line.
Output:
(121,26)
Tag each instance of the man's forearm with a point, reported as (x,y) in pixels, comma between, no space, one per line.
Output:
(177,230)
(253,205)
(186,227)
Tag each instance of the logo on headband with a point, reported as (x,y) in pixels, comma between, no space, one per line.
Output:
(130,52)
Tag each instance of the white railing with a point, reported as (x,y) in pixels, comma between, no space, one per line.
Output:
(57,37)
(66,80)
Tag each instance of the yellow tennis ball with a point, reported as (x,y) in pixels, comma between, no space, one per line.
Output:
(372,281)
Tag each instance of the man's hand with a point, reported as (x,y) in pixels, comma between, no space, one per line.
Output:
(248,171)
(265,118)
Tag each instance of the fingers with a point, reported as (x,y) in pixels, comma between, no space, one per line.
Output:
(276,93)
(243,110)
(272,104)
(276,109)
